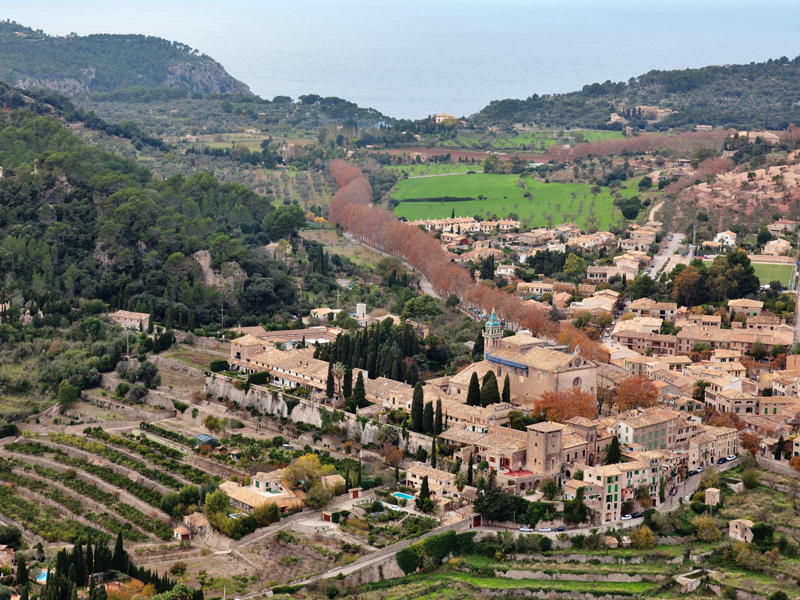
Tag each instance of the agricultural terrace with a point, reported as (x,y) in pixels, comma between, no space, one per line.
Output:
(767,272)
(549,203)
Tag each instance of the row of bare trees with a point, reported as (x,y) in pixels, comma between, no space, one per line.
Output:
(352,209)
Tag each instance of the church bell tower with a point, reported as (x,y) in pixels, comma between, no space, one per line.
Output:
(492,334)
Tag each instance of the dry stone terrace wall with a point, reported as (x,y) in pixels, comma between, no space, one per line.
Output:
(271,402)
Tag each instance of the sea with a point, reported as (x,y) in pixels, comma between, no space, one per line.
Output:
(413,58)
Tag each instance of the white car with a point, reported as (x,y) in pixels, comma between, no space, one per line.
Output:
(545,530)
(732,457)
(626,517)
(526,529)
(700,469)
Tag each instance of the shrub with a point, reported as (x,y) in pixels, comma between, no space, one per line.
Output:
(180,406)
(179,568)
(122,389)
(258,378)
(218,365)
(643,538)
(750,478)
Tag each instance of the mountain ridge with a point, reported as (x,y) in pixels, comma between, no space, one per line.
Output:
(106,62)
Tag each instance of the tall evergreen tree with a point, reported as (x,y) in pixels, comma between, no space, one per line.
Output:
(417,408)
(412,375)
(433,453)
(478,348)
(358,480)
(89,557)
(424,493)
(470,465)
(22,570)
(474,391)
(330,388)
(359,392)
(437,418)
(489,392)
(613,452)
(120,558)
(507,389)
(347,384)
(427,418)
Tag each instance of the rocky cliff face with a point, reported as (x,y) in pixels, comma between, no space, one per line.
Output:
(206,76)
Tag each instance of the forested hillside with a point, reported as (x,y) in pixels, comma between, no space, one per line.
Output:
(102,63)
(758,95)
(80,223)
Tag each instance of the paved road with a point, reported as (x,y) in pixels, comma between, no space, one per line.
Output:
(660,259)
(424,284)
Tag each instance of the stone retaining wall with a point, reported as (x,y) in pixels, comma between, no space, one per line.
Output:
(271,402)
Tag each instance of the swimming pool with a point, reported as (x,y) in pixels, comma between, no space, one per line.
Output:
(42,577)
(403,496)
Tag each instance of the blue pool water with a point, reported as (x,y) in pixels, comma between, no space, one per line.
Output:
(403,496)
(42,577)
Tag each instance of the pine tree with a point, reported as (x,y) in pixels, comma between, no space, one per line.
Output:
(417,408)
(507,390)
(474,391)
(437,419)
(469,469)
(427,418)
(433,453)
(329,385)
(359,392)
(613,452)
(347,384)
(489,392)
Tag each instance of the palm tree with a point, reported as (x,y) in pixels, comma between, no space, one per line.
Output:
(338,370)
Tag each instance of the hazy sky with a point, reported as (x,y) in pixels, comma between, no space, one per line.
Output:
(415,57)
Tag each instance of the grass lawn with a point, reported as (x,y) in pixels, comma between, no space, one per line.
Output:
(432,169)
(505,196)
(771,272)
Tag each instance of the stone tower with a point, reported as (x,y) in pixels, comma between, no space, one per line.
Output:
(492,333)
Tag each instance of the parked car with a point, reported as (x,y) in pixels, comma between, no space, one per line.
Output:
(722,461)
(693,472)
(544,530)
(626,517)
(562,528)
(700,469)
(673,491)
(732,457)
(638,515)
(526,529)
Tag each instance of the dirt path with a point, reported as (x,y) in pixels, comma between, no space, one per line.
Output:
(653,212)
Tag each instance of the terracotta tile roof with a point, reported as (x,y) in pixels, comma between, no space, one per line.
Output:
(538,358)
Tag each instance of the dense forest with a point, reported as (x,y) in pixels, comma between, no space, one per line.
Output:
(83,223)
(758,95)
(102,63)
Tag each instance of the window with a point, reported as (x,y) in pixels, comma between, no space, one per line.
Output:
(577,382)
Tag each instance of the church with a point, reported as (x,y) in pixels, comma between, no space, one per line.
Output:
(532,368)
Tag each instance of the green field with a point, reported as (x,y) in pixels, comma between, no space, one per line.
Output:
(537,140)
(505,196)
(420,170)
(769,272)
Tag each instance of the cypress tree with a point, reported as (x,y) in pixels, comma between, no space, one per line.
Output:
(329,385)
(474,391)
(120,558)
(22,571)
(395,376)
(358,481)
(613,452)
(478,349)
(417,408)
(427,418)
(489,392)
(347,383)
(23,595)
(359,392)
(397,472)
(412,376)
(424,493)
(89,557)
(437,419)
(433,453)
(507,389)
(469,469)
